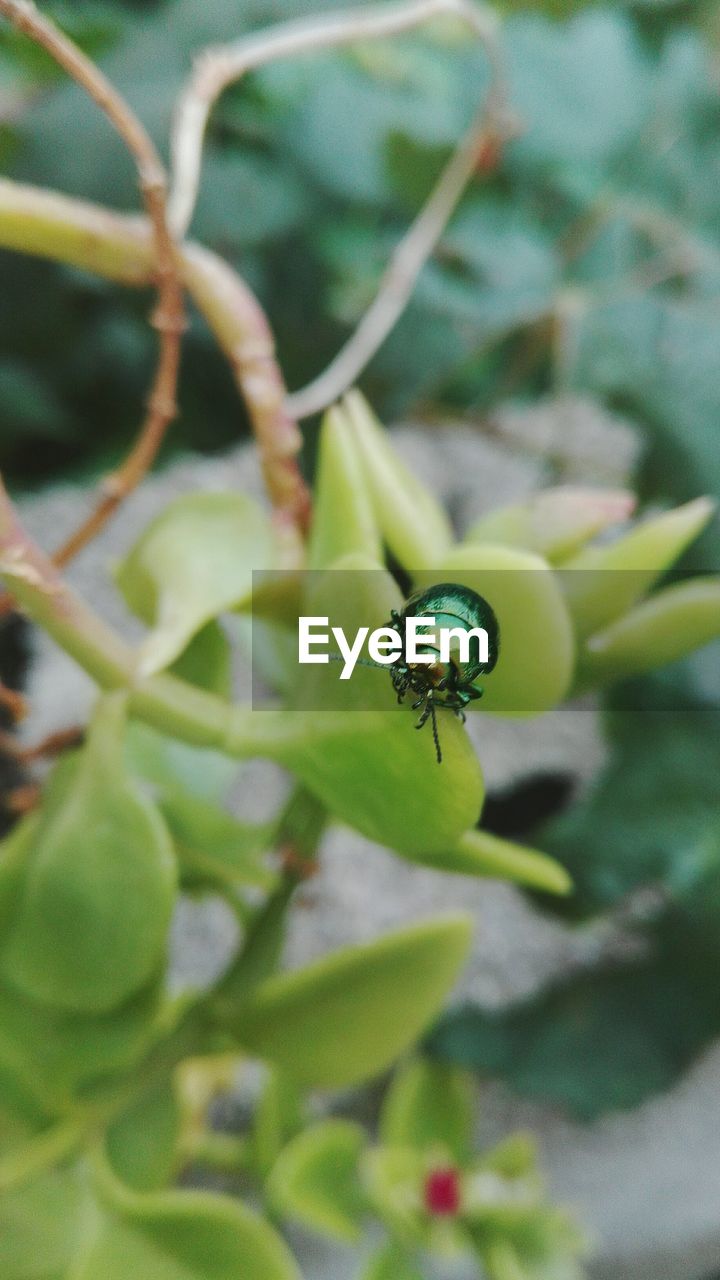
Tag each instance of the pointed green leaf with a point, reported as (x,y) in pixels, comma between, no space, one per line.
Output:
(347,1017)
(413,523)
(353,592)
(343,515)
(193,562)
(186,1236)
(661,629)
(207,661)
(141,1144)
(479,853)
(58,1055)
(369,767)
(393,1178)
(40,1225)
(21,1118)
(376,773)
(213,846)
(278,1117)
(554,523)
(429,1106)
(316,1182)
(168,763)
(602,583)
(391,1262)
(535,665)
(15,850)
(91,924)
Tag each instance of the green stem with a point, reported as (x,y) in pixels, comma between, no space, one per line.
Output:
(163,701)
(42,1152)
(120,248)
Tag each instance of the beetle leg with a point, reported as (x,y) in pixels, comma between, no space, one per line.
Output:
(427,710)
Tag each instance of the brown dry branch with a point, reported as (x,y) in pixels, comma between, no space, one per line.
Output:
(168,315)
(12,703)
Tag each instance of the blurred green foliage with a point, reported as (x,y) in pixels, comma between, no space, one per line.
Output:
(313,168)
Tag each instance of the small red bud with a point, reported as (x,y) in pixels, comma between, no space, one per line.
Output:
(442,1192)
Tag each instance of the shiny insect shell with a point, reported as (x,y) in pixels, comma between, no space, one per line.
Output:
(445,684)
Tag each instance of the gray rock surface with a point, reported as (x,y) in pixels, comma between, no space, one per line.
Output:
(645,1183)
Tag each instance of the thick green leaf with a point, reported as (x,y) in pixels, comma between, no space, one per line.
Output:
(343,516)
(193,562)
(278,1117)
(370,768)
(347,1017)
(374,772)
(554,523)
(213,846)
(583,90)
(40,1225)
(59,1055)
(186,1236)
(391,1262)
(167,763)
(537,656)
(667,626)
(141,1143)
(393,1178)
(20,1116)
(479,853)
(413,523)
(429,1106)
(207,661)
(91,923)
(246,199)
(316,1182)
(602,583)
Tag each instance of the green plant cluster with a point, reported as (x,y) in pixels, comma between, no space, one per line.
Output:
(588,262)
(90,1036)
(431,1190)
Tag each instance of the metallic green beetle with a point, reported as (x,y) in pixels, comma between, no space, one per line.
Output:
(444,684)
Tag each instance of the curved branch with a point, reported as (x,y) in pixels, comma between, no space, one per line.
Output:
(479,150)
(400,277)
(218,67)
(168,317)
(119,248)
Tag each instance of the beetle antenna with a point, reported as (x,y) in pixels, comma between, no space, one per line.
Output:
(436,736)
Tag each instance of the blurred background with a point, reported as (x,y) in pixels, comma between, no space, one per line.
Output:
(570,321)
